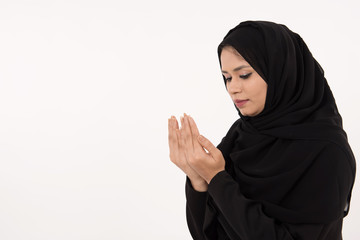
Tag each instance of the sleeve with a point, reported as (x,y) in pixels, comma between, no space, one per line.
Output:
(202,220)
(224,213)
(242,218)
(205,222)
(201,214)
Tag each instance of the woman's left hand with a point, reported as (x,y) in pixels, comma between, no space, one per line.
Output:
(206,164)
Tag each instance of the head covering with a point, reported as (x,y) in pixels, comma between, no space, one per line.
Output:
(274,156)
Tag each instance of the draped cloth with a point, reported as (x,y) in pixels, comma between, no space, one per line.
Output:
(287,157)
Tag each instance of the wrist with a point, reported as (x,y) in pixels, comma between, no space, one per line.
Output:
(208,180)
(199,185)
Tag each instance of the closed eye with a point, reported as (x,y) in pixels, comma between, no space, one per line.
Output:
(245,76)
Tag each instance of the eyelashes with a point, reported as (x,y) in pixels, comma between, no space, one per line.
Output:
(244,76)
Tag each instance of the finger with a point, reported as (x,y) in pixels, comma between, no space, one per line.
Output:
(206,144)
(195,134)
(173,140)
(171,126)
(177,131)
(181,135)
(182,122)
(188,135)
(170,129)
(175,126)
(176,123)
(194,129)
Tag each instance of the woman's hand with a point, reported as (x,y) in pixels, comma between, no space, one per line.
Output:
(201,154)
(178,156)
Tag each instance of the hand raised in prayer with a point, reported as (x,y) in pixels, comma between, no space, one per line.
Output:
(201,154)
(178,156)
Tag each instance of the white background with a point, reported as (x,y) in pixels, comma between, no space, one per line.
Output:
(86,88)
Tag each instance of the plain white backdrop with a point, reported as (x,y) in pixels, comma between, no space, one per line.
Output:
(87,86)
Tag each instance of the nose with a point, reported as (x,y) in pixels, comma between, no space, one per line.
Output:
(234,86)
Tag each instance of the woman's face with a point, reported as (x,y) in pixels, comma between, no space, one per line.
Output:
(245,86)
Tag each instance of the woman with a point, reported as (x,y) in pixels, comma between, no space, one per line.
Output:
(285,169)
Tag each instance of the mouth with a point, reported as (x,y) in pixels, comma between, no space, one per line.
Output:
(240,103)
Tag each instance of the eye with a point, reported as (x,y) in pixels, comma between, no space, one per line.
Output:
(245,76)
(227,79)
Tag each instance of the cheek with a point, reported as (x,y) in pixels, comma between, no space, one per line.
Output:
(263,95)
(260,91)
(263,92)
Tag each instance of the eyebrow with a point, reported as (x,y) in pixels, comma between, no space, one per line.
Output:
(236,69)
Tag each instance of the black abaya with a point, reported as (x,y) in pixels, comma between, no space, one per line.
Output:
(224,213)
(289,170)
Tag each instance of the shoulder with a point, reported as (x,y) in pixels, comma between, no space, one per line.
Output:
(339,153)
(322,149)
(330,160)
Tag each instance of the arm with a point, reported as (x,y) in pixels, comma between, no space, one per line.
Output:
(209,217)
(242,218)
(201,216)
(239,217)
(196,187)
(195,210)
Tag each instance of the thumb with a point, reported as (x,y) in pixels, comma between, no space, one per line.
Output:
(205,143)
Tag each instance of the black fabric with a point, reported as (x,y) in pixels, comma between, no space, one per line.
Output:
(289,170)
(274,156)
(230,215)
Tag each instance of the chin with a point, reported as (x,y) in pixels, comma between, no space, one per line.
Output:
(247,114)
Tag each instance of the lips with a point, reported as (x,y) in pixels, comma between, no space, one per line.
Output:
(239,102)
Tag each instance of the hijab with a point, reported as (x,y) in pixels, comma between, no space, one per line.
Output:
(278,157)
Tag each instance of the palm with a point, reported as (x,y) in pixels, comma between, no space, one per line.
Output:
(177,150)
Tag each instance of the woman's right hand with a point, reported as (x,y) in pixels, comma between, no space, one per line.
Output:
(178,157)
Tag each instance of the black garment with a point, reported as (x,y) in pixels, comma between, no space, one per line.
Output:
(289,170)
(224,213)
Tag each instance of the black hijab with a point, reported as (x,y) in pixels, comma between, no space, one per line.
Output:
(274,156)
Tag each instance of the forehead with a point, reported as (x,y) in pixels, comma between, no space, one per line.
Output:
(231,49)
(230,58)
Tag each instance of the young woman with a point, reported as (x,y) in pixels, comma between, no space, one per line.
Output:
(285,169)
